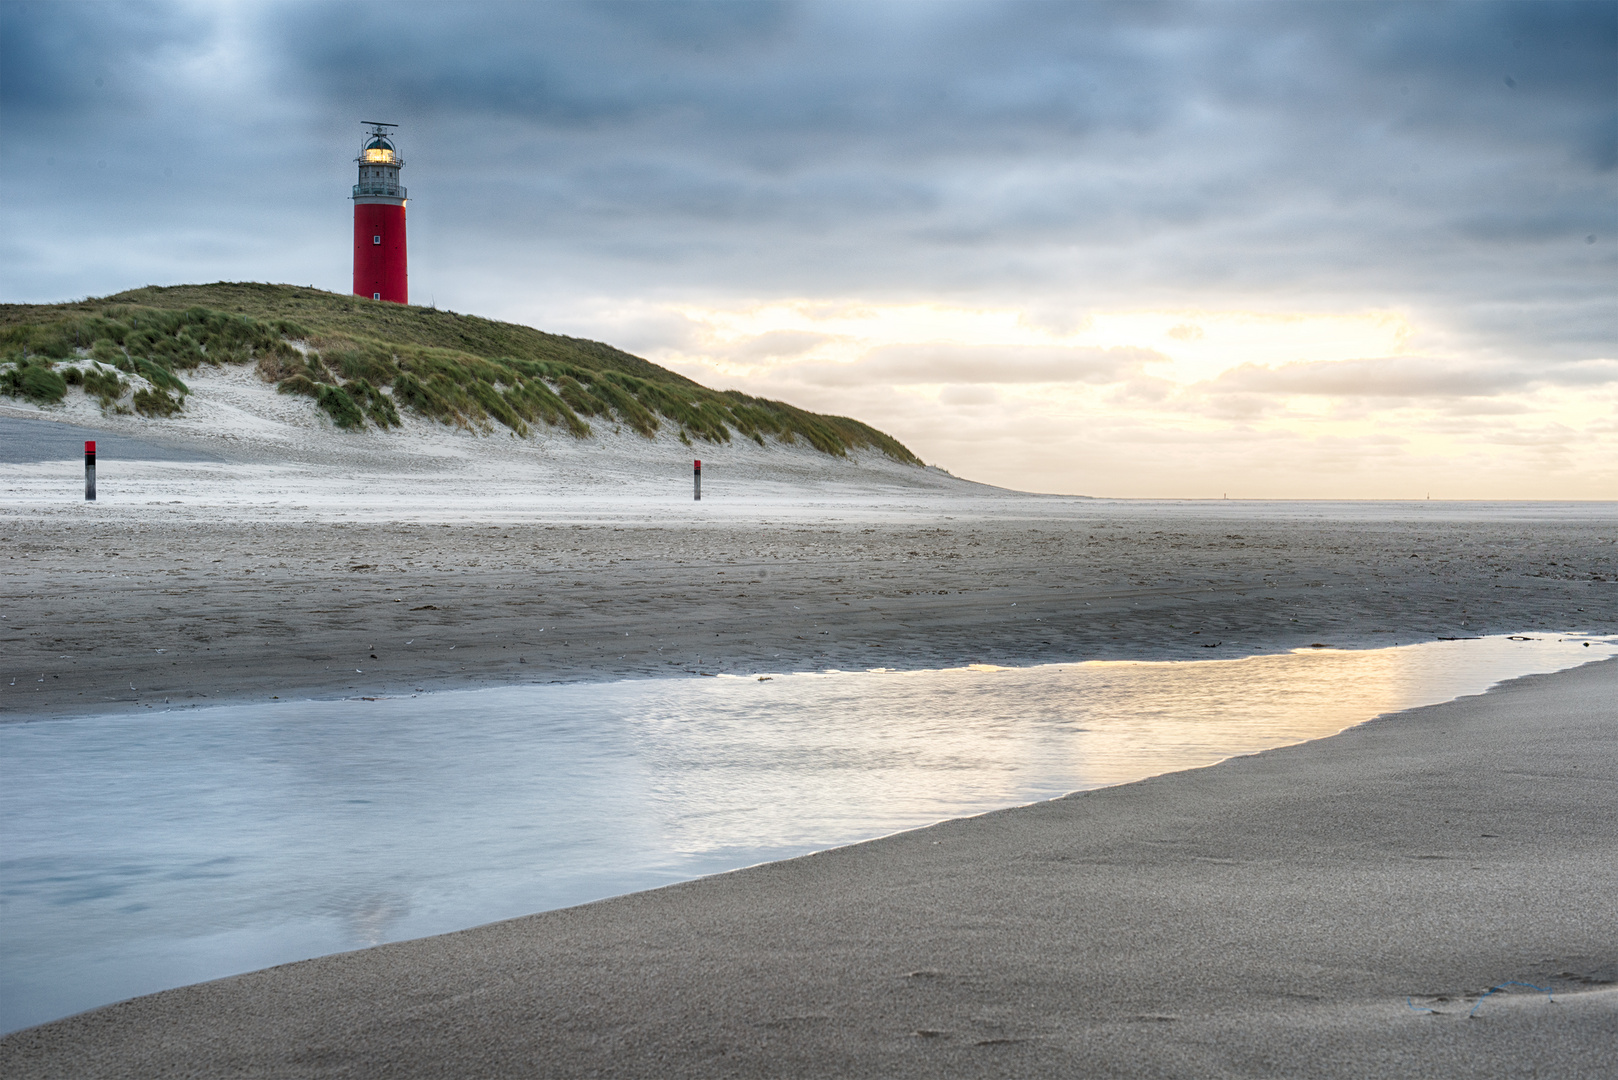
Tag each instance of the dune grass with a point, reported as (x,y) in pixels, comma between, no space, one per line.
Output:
(362,360)
(34,381)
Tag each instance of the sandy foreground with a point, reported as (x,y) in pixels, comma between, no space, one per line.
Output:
(1268,916)
(1329,909)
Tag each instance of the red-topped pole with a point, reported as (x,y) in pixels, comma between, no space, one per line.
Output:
(696,480)
(89,470)
(380,263)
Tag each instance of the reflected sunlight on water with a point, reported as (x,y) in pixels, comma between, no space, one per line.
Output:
(142,852)
(909,748)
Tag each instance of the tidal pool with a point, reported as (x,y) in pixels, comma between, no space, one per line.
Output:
(147,851)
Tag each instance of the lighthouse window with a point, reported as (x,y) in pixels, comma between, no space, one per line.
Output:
(376,239)
(376,296)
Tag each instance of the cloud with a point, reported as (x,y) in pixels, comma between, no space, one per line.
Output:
(1036,151)
(1408,377)
(774,345)
(900,365)
(66,61)
(970,397)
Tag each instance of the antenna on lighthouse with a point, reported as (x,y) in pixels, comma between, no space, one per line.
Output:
(380,266)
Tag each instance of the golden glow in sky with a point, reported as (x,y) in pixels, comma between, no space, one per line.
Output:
(1194,345)
(1171,403)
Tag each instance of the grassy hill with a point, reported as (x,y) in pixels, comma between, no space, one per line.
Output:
(362,360)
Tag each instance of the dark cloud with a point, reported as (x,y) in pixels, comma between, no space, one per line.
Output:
(62,61)
(1038,155)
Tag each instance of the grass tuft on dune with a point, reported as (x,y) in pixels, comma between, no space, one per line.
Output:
(361,361)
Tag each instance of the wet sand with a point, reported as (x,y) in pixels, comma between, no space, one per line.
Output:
(159,607)
(1332,909)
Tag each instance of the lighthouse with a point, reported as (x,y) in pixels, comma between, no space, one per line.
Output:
(379,220)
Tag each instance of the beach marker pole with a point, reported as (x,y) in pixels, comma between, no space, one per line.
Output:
(89,470)
(696,480)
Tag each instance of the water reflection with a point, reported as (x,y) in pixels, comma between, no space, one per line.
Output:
(150,851)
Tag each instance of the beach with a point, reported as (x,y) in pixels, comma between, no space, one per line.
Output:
(267,554)
(294,562)
(1266,916)
(1329,909)
(288,607)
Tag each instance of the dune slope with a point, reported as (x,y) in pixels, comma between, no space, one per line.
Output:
(363,363)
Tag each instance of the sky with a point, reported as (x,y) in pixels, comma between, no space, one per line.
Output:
(1277,250)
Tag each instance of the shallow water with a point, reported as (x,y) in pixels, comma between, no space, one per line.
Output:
(150,851)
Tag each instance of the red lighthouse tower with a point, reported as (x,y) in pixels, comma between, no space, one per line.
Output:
(379,220)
